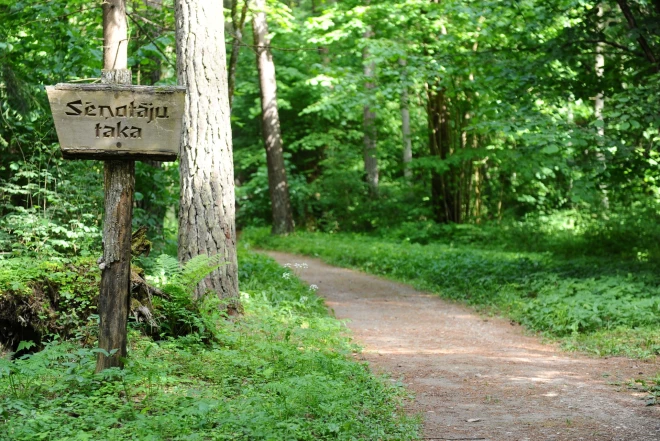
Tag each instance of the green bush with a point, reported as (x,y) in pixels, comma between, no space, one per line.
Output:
(563,296)
(282,372)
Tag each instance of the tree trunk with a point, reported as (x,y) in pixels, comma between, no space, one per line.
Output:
(405,125)
(477,193)
(370,158)
(238,22)
(599,100)
(599,105)
(444,185)
(207,212)
(119,179)
(270,121)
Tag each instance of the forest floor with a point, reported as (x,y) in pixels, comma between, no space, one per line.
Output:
(482,378)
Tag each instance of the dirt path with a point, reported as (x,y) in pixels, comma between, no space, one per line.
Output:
(482,379)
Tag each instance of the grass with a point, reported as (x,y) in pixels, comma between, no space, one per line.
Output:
(601,304)
(282,372)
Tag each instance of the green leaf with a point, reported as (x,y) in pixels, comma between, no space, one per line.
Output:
(25,344)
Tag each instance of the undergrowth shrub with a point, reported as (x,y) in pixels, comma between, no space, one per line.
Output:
(567,297)
(178,313)
(630,231)
(41,299)
(284,371)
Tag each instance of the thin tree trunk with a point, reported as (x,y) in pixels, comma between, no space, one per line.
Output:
(369,121)
(405,125)
(599,105)
(277,181)
(477,189)
(238,21)
(500,202)
(444,186)
(119,179)
(599,101)
(206,214)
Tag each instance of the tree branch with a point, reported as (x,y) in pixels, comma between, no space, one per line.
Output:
(632,25)
(146,34)
(613,44)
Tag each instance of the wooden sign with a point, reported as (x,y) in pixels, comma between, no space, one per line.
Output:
(109,121)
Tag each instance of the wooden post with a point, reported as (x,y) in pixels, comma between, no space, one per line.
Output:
(114,299)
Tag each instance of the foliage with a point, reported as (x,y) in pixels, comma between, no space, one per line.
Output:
(178,313)
(43,298)
(48,205)
(282,372)
(519,80)
(43,209)
(587,301)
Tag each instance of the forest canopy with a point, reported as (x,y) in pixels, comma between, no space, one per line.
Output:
(472,111)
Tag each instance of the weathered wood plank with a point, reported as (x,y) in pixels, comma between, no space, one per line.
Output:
(110,121)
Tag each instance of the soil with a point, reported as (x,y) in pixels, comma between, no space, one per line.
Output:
(483,378)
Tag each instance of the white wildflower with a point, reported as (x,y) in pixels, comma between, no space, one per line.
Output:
(303,299)
(313,287)
(287,265)
(286,275)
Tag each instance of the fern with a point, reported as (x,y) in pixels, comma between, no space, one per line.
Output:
(197,268)
(168,271)
(181,313)
(167,266)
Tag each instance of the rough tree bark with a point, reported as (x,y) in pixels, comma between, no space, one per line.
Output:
(369,121)
(207,212)
(119,179)
(278,186)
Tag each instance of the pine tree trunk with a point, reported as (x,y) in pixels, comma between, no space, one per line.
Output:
(206,214)
(477,194)
(270,122)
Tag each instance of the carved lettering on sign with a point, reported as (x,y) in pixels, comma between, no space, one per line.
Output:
(118,131)
(130,110)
